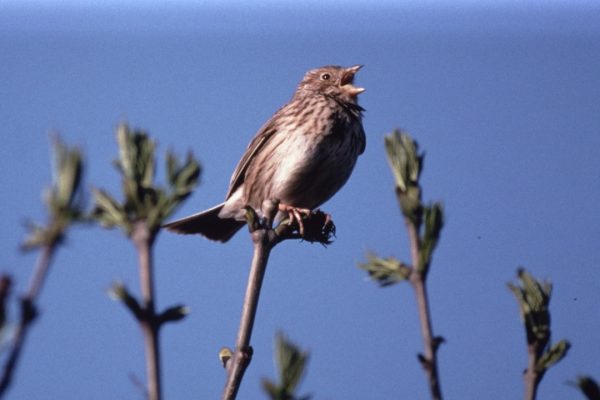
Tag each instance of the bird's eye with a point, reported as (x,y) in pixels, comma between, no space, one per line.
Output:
(325,76)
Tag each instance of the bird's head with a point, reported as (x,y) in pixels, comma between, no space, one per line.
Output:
(334,81)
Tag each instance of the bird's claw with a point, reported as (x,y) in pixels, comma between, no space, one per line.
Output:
(295,214)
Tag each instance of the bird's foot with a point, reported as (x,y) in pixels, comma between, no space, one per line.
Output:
(295,214)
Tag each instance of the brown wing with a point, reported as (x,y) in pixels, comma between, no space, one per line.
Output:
(262,137)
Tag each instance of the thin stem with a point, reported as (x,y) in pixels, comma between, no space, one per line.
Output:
(28,314)
(414,242)
(143,241)
(430,343)
(264,238)
(243,352)
(41,272)
(532,377)
(430,357)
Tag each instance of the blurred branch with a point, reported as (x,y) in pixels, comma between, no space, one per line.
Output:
(140,216)
(534,299)
(5,289)
(588,386)
(64,201)
(317,228)
(291,364)
(143,241)
(406,163)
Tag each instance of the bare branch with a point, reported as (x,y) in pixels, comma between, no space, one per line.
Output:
(28,315)
(318,228)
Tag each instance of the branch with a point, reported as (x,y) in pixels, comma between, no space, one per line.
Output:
(28,315)
(64,201)
(534,300)
(588,386)
(531,375)
(418,281)
(143,240)
(140,215)
(263,240)
(406,163)
(317,228)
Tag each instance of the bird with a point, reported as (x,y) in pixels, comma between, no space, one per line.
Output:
(301,156)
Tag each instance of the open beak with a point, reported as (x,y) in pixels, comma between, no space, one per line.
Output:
(348,80)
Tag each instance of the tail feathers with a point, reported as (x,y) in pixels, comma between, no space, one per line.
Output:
(208,224)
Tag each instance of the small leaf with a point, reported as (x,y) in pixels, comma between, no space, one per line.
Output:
(172,168)
(406,164)
(108,211)
(182,179)
(291,364)
(124,163)
(147,156)
(143,199)
(38,236)
(534,298)
(434,222)
(386,271)
(172,314)
(252,219)
(120,293)
(404,159)
(185,177)
(553,355)
(68,170)
(63,198)
(270,388)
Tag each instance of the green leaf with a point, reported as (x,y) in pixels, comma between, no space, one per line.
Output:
(553,355)
(290,361)
(147,156)
(291,364)
(174,313)
(534,299)
(182,179)
(406,164)
(386,271)
(434,222)
(143,198)
(64,198)
(136,156)
(108,211)
(125,164)
(252,219)
(172,168)
(404,159)
(119,292)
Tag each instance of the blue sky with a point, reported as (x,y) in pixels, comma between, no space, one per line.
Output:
(503,98)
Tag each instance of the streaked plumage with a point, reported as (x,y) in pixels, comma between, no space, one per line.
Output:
(302,156)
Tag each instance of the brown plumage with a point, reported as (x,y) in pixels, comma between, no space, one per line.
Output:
(302,156)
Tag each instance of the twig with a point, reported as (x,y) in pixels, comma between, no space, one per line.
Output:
(531,376)
(264,241)
(318,227)
(143,240)
(28,314)
(417,280)
(140,215)
(533,297)
(243,351)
